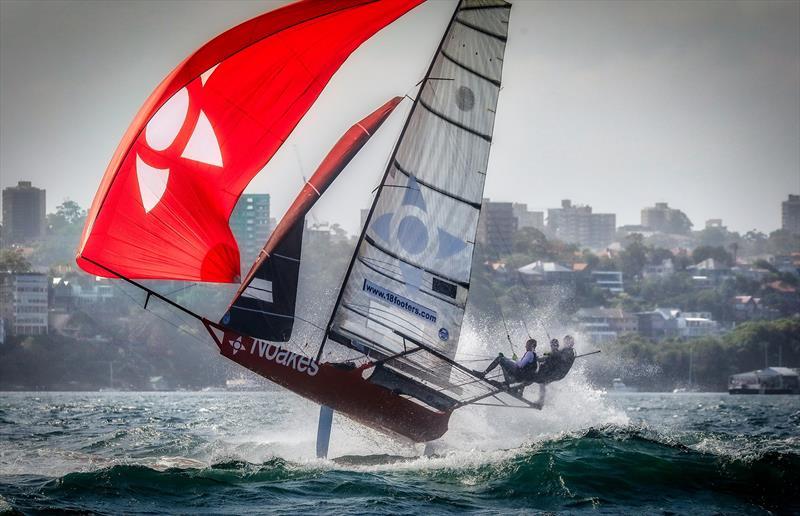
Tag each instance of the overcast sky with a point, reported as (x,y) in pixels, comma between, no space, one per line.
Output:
(613,104)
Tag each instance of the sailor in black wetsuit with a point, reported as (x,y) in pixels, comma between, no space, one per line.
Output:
(555,366)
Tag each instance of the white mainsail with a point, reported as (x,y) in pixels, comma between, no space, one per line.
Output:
(410,276)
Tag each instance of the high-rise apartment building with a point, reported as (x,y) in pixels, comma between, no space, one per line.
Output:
(578,225)
(23,213)
(790,219)
(496,226)
(528,219)
(664,219)
(250,225)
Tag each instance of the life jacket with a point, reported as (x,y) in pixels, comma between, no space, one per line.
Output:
(529,370)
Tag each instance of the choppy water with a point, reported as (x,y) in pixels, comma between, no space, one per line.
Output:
(238,453)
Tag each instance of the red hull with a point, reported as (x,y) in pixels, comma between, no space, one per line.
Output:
(343,389)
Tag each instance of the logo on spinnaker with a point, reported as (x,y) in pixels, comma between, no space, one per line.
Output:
(444,334)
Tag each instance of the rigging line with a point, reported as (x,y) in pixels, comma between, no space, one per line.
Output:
(185,287)
(394,145)
(509,251)
(474,355)
(529,407)
(301,173)
(505,323)
(177,327)
(278,315)
(497,301)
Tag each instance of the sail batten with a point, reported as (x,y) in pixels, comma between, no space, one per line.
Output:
(451,195)
(421,228)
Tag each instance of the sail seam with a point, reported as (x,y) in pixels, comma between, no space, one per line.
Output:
(470,70)
(380,248)
(475,205)
(453,122)
(482,30)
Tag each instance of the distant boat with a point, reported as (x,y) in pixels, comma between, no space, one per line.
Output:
(617,385)
(771,380)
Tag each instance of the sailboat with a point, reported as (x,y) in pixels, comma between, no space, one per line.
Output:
(385,356)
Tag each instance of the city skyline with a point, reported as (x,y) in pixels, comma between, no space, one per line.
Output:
(697,105)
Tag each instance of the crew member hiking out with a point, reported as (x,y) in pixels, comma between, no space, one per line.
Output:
(555,366)
(518,371)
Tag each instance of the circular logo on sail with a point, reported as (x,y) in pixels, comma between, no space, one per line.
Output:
(410,228)
(444,334)
(465,98)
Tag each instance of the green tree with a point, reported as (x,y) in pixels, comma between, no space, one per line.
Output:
(12,260)
(64,228)
(783,242)
(634,257)
(659,254)
(718,253)
(714,237)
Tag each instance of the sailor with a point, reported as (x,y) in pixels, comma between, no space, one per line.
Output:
(549,360)
(555,366)
(515,371)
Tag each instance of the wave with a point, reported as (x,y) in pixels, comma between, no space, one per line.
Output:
(611,467)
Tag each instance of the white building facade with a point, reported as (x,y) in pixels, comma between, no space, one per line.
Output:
(24,300)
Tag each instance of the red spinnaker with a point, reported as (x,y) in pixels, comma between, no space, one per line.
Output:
(163,206)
